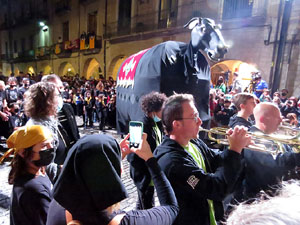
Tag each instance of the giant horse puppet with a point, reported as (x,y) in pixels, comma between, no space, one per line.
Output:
(170,67)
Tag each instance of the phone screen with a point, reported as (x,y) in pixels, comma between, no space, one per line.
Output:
(136,132)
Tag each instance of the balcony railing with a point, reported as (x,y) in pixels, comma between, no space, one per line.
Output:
(85,2)
(237,9)
(151,21)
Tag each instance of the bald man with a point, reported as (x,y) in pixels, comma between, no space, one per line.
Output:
(261,171)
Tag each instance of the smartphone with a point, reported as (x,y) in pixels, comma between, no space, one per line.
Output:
(136,132)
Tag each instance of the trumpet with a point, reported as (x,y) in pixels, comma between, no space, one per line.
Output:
(270,143)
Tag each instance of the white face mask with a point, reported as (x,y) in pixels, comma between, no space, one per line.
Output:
(60,103)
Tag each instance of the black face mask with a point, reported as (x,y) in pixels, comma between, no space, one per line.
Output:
(26,85)
(12,86)
(46,157)
(283,94)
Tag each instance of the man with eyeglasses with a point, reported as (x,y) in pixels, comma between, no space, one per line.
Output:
(201,177)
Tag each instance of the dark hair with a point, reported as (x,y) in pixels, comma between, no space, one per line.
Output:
(172,109)
(19,166)
(241,98)
(152,102)
(40,100)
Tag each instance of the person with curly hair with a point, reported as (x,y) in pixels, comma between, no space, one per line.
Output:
(42,102)
(151,105)
(31,194)
(41,105)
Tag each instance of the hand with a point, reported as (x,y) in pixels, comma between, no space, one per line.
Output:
(4,116)
(124,145)
(144,150)
(238,138)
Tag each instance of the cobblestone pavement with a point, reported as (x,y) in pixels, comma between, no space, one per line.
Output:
(5,188)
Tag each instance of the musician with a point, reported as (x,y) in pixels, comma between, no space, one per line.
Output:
(260,85)
(245,103)
(261,171)
(200,176)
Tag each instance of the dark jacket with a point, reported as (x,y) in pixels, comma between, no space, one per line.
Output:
(192,186)
(239,121)
(261,171)
(138,168)
(68,132)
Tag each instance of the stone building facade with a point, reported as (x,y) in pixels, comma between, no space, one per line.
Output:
(92,37)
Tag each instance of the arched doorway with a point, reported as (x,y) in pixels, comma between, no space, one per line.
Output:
(16,70)
(226,69)
(47,70)
(30,70)
(115,66)
(92,69)
(67,69)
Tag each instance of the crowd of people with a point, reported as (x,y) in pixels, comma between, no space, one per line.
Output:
(60,178)
(92,100)
(222,107)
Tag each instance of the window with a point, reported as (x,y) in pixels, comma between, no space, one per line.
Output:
(15,46)
(92,22)
(167,12)
(6,49)
(66,31)
(237,8)
(124,16)
(23,44)
(30,42)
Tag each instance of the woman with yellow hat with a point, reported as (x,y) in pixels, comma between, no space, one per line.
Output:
(31,195)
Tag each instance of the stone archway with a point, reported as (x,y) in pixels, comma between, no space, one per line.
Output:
(66,68)
(243,68)
(47,69)
(30,70)
(115,66)
(92,69)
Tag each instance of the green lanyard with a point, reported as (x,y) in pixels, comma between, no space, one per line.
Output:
(197,156)
(158,138)
(157,134)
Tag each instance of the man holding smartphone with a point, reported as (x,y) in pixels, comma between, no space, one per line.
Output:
(201,177)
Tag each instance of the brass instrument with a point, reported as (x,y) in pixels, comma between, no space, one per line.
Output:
(270,143)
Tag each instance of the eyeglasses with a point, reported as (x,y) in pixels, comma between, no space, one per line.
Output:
(195,118)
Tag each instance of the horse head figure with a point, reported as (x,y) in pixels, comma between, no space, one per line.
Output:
(206,36)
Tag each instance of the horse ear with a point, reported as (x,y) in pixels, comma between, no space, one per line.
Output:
(193,22)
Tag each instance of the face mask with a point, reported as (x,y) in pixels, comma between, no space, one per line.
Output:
(26,85)
(46,157)
(156,119)
(283,94)
(12,86)
(60,103)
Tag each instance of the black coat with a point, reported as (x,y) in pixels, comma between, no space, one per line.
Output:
(138,168)
(192,186)
(68,132)
(263,172)
(239,121)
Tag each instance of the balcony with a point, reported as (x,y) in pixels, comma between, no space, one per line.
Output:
(155,21)
(25,56)
(62,6)
(86,2)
